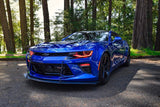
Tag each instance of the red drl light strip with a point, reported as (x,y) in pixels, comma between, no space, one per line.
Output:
(84,65)
(84,55)
(31,53)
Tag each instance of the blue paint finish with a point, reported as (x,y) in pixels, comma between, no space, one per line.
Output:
(117,49)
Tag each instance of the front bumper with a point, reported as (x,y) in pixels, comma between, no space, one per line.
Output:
(78,77)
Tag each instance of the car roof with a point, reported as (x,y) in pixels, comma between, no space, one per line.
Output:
(97,31)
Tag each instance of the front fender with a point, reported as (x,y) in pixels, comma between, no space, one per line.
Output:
(98,52)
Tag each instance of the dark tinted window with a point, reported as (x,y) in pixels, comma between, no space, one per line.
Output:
(77,36)
(100,36)
(113,35)
(95,36)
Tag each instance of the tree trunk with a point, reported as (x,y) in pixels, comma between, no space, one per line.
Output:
(66,12)
(110,14)
(142,32)
(72,9)
(124,14)
(0,43)
(72,16)
(32,22)
(46,21)
(150,23)
(157,45)
(10,24)
(0,37)
(86,14)
(66,5)
(23,23)
(5,28)
(94,14)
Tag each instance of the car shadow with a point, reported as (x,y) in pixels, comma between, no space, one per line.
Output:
(119,80)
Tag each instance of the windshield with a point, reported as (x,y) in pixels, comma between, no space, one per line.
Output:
(76,36)
(93,36)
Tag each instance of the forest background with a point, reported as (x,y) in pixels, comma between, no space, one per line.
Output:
(136,21)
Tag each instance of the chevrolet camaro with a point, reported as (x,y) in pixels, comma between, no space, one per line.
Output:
(85,57)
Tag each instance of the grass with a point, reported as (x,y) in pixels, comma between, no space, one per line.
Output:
(134,53)
(12,56)
(144,52)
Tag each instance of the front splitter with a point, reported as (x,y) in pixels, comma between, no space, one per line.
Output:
(27,76)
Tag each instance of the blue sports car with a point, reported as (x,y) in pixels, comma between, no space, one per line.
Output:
(85,57)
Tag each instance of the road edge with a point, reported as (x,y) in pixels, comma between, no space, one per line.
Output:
(23,59)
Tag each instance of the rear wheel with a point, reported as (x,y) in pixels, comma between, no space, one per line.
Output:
(104,68)
(127,63)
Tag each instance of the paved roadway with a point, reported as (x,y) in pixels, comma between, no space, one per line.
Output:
(136,85)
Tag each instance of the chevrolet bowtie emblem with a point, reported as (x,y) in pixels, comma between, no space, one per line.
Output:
(45,54)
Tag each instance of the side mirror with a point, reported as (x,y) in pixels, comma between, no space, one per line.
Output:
(117,38)
(63,39)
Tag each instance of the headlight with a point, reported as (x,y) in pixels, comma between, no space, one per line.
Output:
(82,54)
(31,53)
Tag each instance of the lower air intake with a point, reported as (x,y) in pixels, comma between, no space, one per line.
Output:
(51,69)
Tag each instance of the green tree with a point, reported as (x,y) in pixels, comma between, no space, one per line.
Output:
(46,21)
(32,22)
(157,44)
(94,14)
(23,24)
(0,37)
(110,14)
(86,14)
(66,17)
(124,13)
(5,28)
(10,24)
(142,34)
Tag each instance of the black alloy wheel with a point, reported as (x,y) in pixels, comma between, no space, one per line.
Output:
(127,63)
(104,68)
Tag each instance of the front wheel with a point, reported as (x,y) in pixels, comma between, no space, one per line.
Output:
(104,68)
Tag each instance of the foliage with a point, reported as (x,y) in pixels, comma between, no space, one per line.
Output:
(58,29)
(122,20)
(77,22)
(36,19)
(144,52)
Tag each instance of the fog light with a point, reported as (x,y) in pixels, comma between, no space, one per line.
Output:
(85,67)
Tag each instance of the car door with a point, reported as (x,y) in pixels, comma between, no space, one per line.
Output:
(118,43)
(116,52)
(116,46)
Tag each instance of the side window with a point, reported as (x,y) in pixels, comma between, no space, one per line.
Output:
(92,36)
(87,37)
(97,34)
(113,35)
(104,36)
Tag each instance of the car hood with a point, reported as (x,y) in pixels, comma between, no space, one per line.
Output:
(64,46)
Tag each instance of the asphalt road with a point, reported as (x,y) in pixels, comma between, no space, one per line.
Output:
(136,85)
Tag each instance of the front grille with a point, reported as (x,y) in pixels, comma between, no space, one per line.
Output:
(51,69)
(51,54)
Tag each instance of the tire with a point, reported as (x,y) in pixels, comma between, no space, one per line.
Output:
(104,68)
(127,63)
